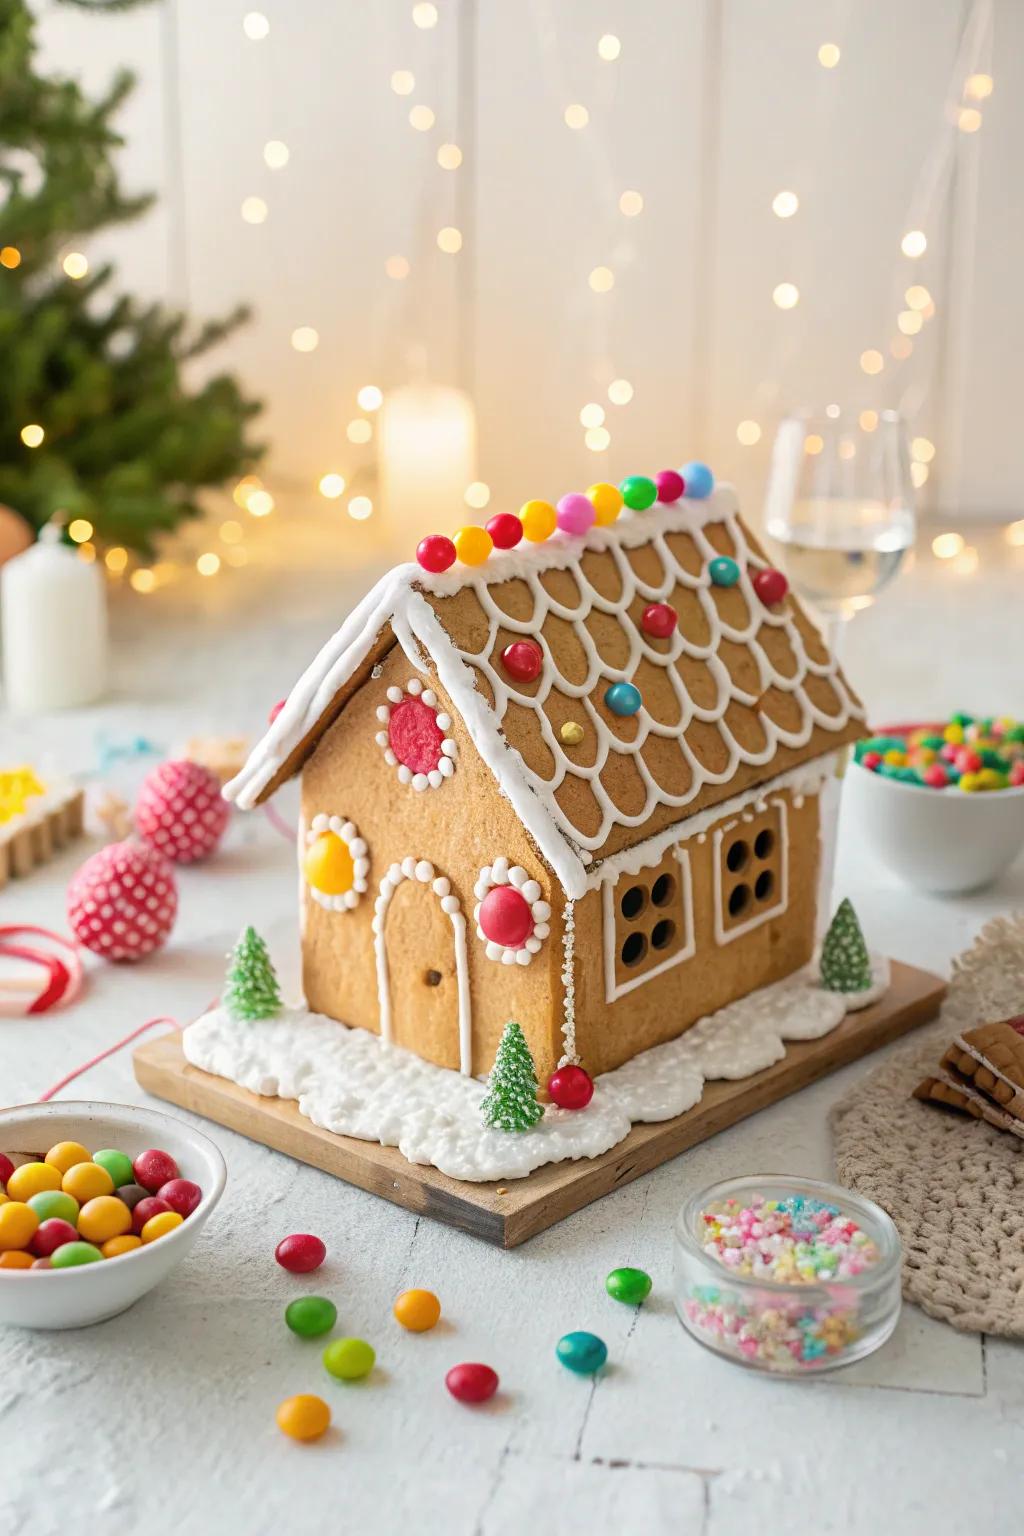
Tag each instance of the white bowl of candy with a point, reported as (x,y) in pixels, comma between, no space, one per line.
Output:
(83,1237)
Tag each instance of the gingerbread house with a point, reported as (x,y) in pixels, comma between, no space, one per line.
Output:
(577,784)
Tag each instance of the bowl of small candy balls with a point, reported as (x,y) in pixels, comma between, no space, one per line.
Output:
(942,804)
(98,1203)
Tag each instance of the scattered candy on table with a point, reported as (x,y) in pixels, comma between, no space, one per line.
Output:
(630,1286)
(471,1382)
(349,1359)
(972,754)
(310,1316)
(300,1253)
(583,1353)
(417,1310)
(304,1417)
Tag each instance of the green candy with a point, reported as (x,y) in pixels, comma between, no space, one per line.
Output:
(54,1202)
(638,492)
(990,758)
(117,1164)
(70,1255)
(309,1316)
(631,1286)
(936,743)
(349,1359)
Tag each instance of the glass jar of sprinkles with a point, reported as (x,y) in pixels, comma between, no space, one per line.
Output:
(786,1274)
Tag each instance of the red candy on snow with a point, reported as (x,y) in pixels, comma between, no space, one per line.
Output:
(471,1382)
(151,1206)
(123,901)
(505,916)
(415,736)
(659,619)
(522,660)
(505,530)
(571,1088)
(181,811)
(435,553)
(670,484)
(153,1168)
(771,586)
(300,1253)
(181,1195)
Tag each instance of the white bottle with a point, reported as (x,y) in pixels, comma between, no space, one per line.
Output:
(53,618)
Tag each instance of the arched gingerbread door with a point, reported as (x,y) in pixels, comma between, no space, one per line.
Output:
(421,965)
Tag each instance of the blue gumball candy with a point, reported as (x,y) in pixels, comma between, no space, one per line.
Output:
(623,699)
(724,572)
(698,479)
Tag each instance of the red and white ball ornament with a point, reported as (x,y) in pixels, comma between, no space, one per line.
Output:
(181,811)
(123,901)
(511,918)
(414,738)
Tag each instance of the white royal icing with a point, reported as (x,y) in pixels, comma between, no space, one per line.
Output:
(568,980)
(499,873)
(356,845)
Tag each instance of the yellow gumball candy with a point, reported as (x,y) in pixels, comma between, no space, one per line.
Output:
(104,1217)
(417,1310)
(18,1223)
(896,758)
(304,1417)
(158,1226)
(66,1154)
(86,1181)
(328,865)
(969,783)
(31,1179)
(539,520)
(114,1246)
(954,734)
(607,500)
(473,544)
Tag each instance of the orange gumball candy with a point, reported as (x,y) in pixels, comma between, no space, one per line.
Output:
(418,1311)
(86,1181)
(304,1417)
(102,1218)
(159,1225)
(115,1246)
(66,1154)
(16,1258)
(31,1179)
(18,1223)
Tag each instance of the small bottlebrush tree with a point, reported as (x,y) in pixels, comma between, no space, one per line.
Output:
(845,965)
(251,990)
(511,1101)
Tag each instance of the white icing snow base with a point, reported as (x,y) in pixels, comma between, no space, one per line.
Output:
(350,1082)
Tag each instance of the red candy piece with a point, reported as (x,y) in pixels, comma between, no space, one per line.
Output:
(1017,772)
(153,1168)
(181,1195)
(872,760)
(935,776)
(181,811)
(968,761)
(505,530)
(275,710)
(51,1235)
(300,1253)
(472,1383)
(771,586)
(522,660)
(571,1088)
(122,902)
(6,1168)
(670,484)
(151,1206)
(505,916)
(659,619)
(436,552)
(949,752)
(415,736)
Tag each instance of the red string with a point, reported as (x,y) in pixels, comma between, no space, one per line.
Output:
(110,1051)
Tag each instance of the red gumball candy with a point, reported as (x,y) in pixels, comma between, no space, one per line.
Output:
(1017,773)
(435,553)
(471,1383)
(571,1088)
(872,760)
(522,660)
(659,619)
(505,530)
(505,916)
(181,811)
(771,586)
(935,776)
(51,1235)
(968,761)
(300,1253)
(153,1168)
(6,1168)
(182,1195)
(123,901)
(670,483)
(151,1206)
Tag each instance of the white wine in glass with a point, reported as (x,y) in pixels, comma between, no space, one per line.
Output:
(840,502)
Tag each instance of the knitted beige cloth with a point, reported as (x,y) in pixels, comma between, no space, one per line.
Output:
(954,1186)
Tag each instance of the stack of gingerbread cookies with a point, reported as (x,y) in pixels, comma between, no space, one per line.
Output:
(982,1074)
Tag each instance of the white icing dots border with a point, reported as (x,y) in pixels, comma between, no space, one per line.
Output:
(446,765)
(501,873)
(357,847)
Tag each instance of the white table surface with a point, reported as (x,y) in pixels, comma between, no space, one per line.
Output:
(162,1420)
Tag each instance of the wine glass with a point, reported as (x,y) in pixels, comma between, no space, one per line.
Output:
(840,502)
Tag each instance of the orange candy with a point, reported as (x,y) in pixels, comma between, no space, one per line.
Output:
(102,1218)
(86,1181)
(18,1223)
(159,1225)
(15,1258)
(304,1417)
(114,1246)
(66,1154)
(418,1311)
(31,1179)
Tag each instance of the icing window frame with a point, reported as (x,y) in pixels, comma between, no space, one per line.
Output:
(634,914)
(741,867)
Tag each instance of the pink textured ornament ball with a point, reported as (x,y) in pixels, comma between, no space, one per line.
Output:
(571,1088)
(659,619)
(576,513)
(522,660)
(123,901)
(670,484)
(505,530)
(505,916)
(771,586)
(435,553)
(181,811)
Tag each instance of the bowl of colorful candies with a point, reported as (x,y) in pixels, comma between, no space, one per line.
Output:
(98,1203)
(943,804)
(785,1274)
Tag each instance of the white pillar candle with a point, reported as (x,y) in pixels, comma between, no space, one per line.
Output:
(53,615)
(427,458)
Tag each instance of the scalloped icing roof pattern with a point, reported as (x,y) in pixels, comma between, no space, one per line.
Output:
(737,694)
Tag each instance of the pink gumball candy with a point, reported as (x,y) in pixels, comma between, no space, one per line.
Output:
(153,1168)
(181,811)
(51,1235)
(571,1087)
(181,1195)
(300,1253)
(505,916)
(670,484)
(576,513)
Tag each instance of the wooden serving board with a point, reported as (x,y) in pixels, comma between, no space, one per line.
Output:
(507,1213)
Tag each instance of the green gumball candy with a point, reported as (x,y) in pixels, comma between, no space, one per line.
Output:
(309,1316)
(638,492)
(54,1202)
(630,1286)
(117,1164)
(349,1359)
(71,1255)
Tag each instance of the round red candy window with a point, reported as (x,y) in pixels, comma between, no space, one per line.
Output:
(414,736)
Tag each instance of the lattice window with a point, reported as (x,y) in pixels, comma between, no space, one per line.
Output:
(751,871)
(648,923)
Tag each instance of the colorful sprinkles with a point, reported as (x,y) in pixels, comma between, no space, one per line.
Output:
(971,753)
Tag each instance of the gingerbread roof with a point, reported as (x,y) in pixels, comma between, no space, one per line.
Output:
(737,695)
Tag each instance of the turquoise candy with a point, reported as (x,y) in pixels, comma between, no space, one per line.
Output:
(583,1353)
(724,572)
(631,1286)
(623,699)
(310,1316)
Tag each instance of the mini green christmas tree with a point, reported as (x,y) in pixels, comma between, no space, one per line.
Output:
(511,1103)
(845,966)
(251,990)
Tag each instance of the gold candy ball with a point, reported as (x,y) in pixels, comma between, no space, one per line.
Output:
(571,733)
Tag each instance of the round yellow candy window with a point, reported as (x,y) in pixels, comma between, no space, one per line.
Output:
(335,863)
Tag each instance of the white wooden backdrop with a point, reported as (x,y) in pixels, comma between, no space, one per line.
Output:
(712,107)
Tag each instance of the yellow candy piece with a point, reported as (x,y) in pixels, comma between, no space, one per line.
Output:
(104,1217)
(18,1223)
(328,865)
(991,778)
(114,1246)
(31,1179)
(896,758)
(15,1258)
(473,544)
(159,1225)
(66,1154)
(969,783)
(954,734)
(304,1417)
(926,755)
(571,733)
(86,1181)
(539,520)
(3,1198)
(417,1310)
(607,500)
